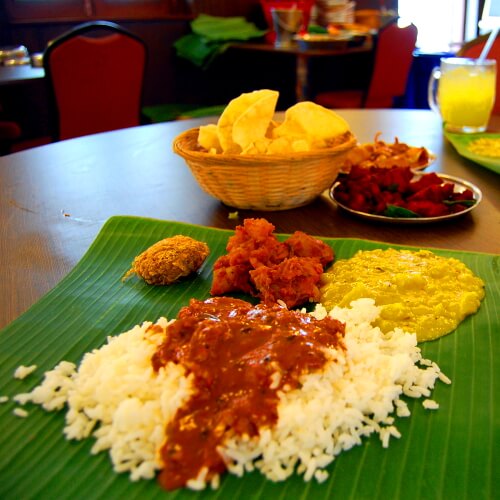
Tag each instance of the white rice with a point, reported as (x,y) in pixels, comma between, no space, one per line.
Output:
(116,396)
(353,397)
(430,404)
(19,412)
(23,371)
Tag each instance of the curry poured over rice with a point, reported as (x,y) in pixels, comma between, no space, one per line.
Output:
(348,386)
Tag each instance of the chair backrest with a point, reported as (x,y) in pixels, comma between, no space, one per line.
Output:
(473,48)
(392,64)
(95,73)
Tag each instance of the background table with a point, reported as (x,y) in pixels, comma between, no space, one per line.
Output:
(23,99)
(302,57)
(10,75)
(55,199)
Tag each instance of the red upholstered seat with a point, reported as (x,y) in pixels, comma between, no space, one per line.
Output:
(11,139)
(392,62)
(96,81)
(9,131)
(473,49)
(346,98)
(30,143)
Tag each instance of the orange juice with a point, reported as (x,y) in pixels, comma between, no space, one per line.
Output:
(466,93)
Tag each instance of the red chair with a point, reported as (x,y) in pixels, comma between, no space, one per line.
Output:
(392,62)
(473,48)
(95,81)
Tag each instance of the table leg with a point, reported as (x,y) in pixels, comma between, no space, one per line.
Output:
(302,78)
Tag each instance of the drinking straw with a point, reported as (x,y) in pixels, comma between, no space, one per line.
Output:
(488,44)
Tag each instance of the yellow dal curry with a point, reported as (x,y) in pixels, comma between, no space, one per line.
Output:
(419,291)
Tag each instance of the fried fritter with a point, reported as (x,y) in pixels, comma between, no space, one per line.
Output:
(259,264)
(384,155)
(168,260)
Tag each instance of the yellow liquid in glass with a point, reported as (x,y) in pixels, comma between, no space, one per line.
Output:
(466,96)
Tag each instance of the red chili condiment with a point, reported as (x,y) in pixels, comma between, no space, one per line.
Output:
(233,349)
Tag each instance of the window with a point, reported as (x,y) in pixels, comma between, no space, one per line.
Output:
(440,23)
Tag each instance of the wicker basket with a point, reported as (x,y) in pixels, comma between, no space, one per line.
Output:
(263,182)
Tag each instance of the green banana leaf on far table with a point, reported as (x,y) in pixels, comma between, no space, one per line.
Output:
(461,143)
(211,35)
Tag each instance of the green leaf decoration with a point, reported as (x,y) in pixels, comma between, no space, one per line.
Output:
(216,28)
(465,203)
(395,211)
(449,453)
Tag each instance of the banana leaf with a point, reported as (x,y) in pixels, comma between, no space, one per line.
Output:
(449,453)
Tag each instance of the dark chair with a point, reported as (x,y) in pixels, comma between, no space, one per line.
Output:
(12,140)
(393,57)
(9,132)
(95,73)
(473,48)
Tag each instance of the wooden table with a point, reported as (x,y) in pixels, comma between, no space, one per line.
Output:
(54,199)
(302,55)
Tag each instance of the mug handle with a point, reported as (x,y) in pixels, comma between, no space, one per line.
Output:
(432,89)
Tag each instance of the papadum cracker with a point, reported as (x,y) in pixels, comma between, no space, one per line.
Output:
(259,109)
(208,138)
(252,125)
(312,123)
(247,127)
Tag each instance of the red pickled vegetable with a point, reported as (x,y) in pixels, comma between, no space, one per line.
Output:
(386,191)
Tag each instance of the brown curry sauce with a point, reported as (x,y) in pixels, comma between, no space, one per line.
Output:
(233,349)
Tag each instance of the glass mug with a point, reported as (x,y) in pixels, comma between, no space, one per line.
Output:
(462,91)
(286,23)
